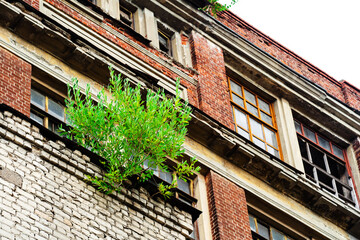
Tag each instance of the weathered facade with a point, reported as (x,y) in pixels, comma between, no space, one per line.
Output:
(277,139)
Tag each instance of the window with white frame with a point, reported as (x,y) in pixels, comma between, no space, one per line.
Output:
(325,163)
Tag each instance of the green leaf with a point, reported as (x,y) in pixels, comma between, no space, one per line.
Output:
(127,131)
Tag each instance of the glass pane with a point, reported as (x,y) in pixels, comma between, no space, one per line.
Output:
(56,110)
(236,88)
(309,134)
(37,118)
(166,176)
(56,129)
(252,223)
(337,169)
(273,151)
(124,13)
(184,186)
(298,127)
(263,231)
(264,106)
(303,149)
(252,109)
(309,171)
(238,100)
(266,118)
(270,137)
(37,99)
(317,157)
(243,133)
(324,143)
(250,97)
(241,119)
(338,151)
(163,40)
(52,125)
(276,235)
(256,128)
(146,165)
(326,181)
(259,143)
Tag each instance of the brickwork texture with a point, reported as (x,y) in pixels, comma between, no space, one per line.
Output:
(213,89)
(15,82)
(43,195)
(228,210)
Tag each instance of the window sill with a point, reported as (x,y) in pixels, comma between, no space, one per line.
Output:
(152,187)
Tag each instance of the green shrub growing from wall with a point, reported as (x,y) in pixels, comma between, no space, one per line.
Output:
(127,131)
(215,7)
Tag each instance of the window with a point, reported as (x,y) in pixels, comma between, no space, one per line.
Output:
(263,231)
(126,16)
(46,111)
(164,42)
(186,188)
(254,118)
(324,163)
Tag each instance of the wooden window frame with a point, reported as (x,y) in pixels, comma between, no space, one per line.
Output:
(258,118)
(255,234)
(168,41)
(123,12)
(347,186)
(48,93)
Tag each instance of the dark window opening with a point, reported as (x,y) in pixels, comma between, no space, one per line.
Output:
(164,43)
(324,163)
(126,16)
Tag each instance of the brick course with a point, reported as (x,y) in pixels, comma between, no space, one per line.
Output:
(351,95)
(213,90)
(34,3)
(52,200)
(192,94)
(228,210)
(15,82)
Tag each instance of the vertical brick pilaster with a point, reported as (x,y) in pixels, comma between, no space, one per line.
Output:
(213,90)
(228,210)
(15,82)
(351,95)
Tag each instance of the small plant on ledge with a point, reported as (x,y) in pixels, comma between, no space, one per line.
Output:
(215,7)
(127,131)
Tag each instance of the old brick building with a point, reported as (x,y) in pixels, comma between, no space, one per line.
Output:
(278,140)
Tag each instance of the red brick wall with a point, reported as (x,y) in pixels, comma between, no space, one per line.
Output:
(34,3)
(192,91)
(351,95)
(15,82)
(228,210)
(213,90)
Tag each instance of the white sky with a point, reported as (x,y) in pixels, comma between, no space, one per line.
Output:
(326,33)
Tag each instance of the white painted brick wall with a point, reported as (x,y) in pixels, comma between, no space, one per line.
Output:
(53,201)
